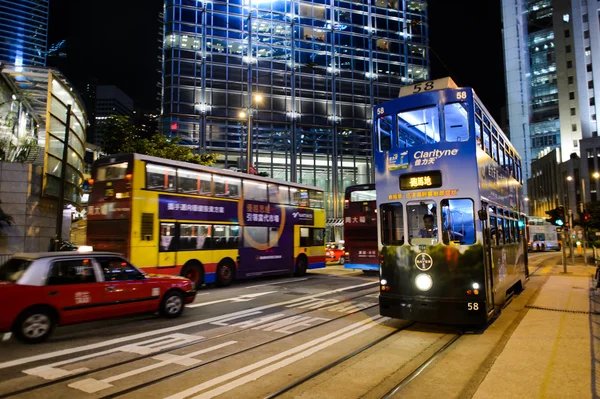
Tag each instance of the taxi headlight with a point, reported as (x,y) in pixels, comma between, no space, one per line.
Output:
(423,282)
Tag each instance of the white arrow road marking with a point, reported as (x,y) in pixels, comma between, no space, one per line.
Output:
(115,341)
(300,352)
(52,372)
(242,298)
(91,385)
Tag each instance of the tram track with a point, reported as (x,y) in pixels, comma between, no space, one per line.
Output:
(76,376)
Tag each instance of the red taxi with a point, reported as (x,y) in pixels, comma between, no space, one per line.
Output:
(40,291)
(335,253)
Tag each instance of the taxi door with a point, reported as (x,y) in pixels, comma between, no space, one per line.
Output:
(126,290)
(73,287)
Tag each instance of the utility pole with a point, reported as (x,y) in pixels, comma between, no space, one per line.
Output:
(61,187)
(571,231)
(583,223)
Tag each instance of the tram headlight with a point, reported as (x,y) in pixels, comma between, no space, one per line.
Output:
(475,286)
(423,282)
(383,282)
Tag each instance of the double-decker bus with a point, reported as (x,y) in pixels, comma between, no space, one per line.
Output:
(542,235)
(360,228)
(207,224)
(449,196)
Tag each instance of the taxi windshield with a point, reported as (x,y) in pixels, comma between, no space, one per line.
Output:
(13,269)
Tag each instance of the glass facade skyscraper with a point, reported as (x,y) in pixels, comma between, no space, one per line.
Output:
(23,32)
(319,66)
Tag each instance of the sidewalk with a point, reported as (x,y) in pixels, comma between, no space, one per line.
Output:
(555,350)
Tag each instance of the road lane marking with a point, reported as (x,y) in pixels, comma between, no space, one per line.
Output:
(242,298)
(278,283)
(69,351)
(346,332)
(52,371)
(91,385)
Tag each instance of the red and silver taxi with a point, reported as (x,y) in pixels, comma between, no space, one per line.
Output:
(335,253)
(42,290)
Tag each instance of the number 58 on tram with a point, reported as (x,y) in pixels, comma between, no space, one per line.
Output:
(449,196)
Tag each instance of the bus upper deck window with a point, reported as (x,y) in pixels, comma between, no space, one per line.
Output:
(299,197)
(316,199)
(279,194)
(255,191)
(116,171)
(160,177)
(384,132)
(419,126)
(456,122)
(227,186)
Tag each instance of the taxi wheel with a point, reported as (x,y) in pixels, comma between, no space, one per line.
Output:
(34,325)
(301,266)
(172,305)
(225,273)
(342,260)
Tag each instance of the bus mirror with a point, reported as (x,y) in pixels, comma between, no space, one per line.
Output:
(482,214)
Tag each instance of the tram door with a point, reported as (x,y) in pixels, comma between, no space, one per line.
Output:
(487,256)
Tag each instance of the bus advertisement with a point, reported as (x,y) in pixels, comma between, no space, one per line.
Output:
(360,228)
(207,224)
(449,196)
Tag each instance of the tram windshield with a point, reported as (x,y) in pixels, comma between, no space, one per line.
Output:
(422,223)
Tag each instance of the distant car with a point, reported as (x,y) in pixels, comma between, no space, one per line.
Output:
(335,253)
(40,291)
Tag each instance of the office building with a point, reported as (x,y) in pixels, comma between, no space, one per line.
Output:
(23,32)
(301,76)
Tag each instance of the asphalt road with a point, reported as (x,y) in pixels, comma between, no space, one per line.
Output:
(251,340)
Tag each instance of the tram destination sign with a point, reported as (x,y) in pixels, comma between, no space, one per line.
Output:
(419,181)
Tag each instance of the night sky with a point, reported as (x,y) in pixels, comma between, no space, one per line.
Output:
(115,41)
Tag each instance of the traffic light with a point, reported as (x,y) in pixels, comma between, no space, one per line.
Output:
(556,216)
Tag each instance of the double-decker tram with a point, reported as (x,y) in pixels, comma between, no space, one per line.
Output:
(449,193)
(542,235)
(360,227)
(210,225)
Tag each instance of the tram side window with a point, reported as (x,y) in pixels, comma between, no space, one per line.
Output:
(486,140)
(457,122)
(160,177)
(478,132)
(384,129)
(507,232)
(458,221)
(419,126)
(495,149)
(392,224)
(168,242)
(422,223)
(493,230)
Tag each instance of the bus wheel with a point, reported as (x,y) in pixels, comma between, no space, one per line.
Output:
(193,271)
(301,266)
(225,273)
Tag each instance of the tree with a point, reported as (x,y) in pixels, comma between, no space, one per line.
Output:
(4,218)
(119,135)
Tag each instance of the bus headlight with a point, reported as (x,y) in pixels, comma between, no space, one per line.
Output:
(423,282)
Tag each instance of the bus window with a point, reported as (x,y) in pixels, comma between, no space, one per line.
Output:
(299,197)
(384,130)
(160,178)
(419,126)
(392,224)
(458,221)
(363,195)
(457,122)
(422,220)
(310,237)
(117,171)
(279,194)
(315,199)
(226,237)
(227,186)
(190,182)
(255,191)
(193,237)
(167,234)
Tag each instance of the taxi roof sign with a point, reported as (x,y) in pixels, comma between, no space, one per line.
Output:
(428,85)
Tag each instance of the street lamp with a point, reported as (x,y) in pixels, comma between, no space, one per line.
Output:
(256,99)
